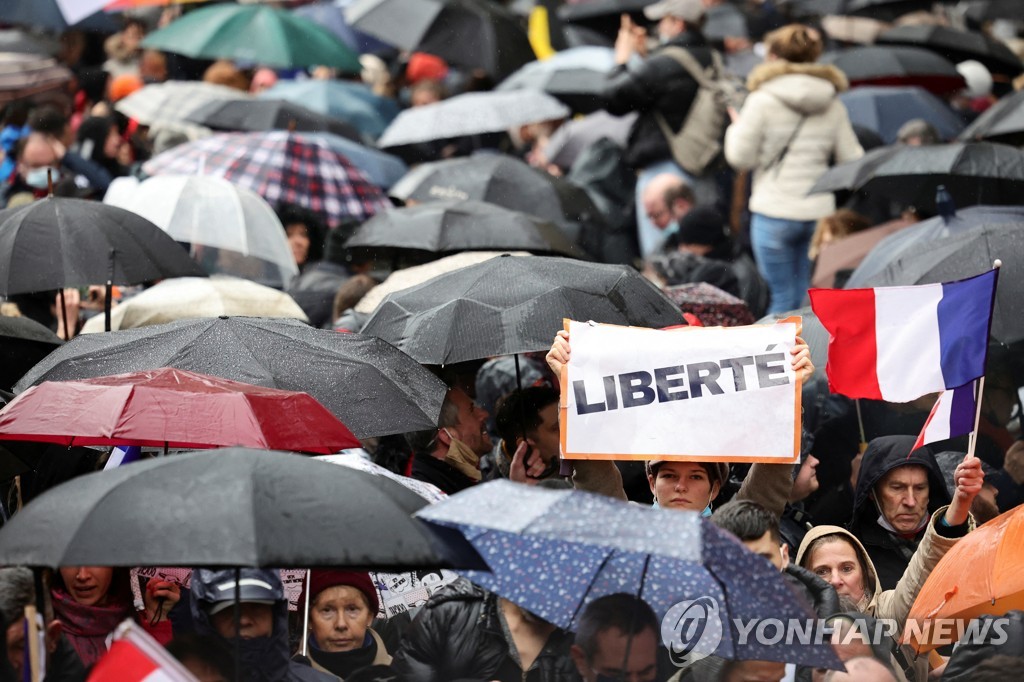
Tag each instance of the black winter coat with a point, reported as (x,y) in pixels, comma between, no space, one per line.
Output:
(458,636)
(659,84)
(891,553)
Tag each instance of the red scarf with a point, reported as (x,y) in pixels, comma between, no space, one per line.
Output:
(87,627)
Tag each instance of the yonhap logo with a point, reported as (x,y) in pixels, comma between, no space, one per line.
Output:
(692,630)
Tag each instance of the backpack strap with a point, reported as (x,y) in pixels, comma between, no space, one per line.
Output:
(685,59)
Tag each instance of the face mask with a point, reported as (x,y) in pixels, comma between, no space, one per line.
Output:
(37,177)
(462,457)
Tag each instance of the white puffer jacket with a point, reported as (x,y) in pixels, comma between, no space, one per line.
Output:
(781,95)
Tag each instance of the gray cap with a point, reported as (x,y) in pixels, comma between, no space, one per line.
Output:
(687,10)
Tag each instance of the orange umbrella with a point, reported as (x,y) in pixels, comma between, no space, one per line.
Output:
(980,575)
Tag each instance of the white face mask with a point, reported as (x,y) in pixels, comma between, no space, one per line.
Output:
(37,178)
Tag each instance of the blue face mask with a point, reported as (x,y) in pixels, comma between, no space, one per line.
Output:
(37,178)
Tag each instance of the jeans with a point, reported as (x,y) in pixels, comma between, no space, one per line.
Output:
(780,248)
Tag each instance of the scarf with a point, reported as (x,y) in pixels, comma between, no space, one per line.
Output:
(463,459)
(87,627)
(344,663)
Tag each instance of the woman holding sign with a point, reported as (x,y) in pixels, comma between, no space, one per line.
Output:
(682,485)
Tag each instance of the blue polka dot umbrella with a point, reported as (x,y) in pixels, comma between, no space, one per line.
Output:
(554,551)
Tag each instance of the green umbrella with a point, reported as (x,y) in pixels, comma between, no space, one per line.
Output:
(253,33)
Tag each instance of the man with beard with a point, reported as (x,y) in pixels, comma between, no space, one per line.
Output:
(449,456)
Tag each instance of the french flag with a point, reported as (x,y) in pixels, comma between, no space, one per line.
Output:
(121,455)
(900,343)
(952,416)
(134,656)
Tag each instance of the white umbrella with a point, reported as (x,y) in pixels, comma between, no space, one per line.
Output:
(212,212)
(471,114)
(183,298)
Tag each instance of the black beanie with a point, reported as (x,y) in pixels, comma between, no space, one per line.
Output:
(702,225)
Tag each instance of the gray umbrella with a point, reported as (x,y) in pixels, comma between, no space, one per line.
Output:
(575,136)
(231,507)
(473,113)
(454,226)
(24,75)
(506,306)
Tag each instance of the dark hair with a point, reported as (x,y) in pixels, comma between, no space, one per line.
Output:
(679,190)
(747,520)
(519,411)
(999,667)
(626,613)
(16,113)
(290,214)
(422,442)
(48,120)
(206,649)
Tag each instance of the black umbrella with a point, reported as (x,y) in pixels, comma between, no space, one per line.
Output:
(454,226)
(576,76)
(232,507)
(468,33)
(373,388)
(957,46)
(506,306)
(895,65)
(883,10)
(987,10)
(853,174)
(504,181)
(1002,122)
(23,343)
(602,16)
(973,172)
(884,109)
(256,115)
(966,255)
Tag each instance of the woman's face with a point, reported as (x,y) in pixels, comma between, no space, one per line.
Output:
(837,564)
(112,144)
(298,239)
(339,618)
(87,585)
(683,485)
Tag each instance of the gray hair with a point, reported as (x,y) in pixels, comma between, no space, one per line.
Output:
(17,590)
(423,441)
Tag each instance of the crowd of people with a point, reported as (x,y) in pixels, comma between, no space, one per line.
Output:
(728,113)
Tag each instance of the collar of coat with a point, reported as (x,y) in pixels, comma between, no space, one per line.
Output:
(769,70)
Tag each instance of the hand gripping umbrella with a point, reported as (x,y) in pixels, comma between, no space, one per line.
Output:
(561,550)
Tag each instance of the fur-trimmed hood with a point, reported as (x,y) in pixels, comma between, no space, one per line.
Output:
(806,88)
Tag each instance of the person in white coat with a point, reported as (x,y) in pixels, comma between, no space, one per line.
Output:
(791,129)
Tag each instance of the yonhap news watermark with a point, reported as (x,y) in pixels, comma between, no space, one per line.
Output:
(692,630)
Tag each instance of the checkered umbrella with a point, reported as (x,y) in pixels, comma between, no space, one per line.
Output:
(283,168)
(173,101)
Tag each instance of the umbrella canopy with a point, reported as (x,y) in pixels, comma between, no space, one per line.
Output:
(957,46)
(504,181)
(472,113)
(183,298)
(331,15)
(979,575)
(50,14)
(926,232)
(851,29)
(267,114)
(841,257)
(896,65)
(380,168)
(370,386)
(353,103)
(23,75)
(973,172)
(17,40)
(712,306)
(212,212)
(987,10)
(576,76)
(232,507)
(884,10)
(172,408)
(452,226)
(171,103)
(1002,122)
(506,306)
(601,17)
(283,168)
(468,33)
(253,33)
(665,557)
(853,174)
(573,137)
(966,255)
(57,243)
(23,343)
(885,110)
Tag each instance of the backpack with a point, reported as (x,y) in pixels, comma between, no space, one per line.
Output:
(698,144)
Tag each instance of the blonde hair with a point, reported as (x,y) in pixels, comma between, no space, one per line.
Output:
(795,43)
(834,227)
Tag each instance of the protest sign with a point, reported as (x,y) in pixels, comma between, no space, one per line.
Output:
(690,394)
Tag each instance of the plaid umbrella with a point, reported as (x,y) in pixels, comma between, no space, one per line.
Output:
(283,168)
(712,306)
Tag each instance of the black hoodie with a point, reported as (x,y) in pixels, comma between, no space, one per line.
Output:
(889,552)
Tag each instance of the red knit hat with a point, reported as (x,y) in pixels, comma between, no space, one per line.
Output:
(425,66)
(321,580)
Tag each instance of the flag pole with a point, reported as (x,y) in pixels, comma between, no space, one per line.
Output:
(972,441)
(860,423)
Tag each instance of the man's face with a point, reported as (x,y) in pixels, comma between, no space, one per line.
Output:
(471,428)
(669,27)
(546,436)
(902,495)
(771,550)
(38,153)
(612,643)
(257,620)
(658,212)
(16,644)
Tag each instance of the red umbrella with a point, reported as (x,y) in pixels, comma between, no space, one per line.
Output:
(172,408)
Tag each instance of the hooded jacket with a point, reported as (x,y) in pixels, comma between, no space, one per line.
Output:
(893,604)
(658,85)
(969,654)
(264,659)
(458,635)
(889,552)
(798,102)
